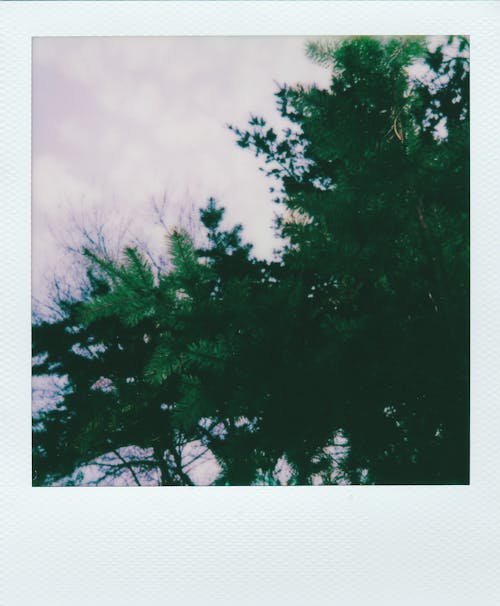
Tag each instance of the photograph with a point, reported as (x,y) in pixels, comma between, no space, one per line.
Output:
(250,260)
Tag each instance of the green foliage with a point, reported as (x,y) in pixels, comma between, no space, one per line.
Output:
(358,328)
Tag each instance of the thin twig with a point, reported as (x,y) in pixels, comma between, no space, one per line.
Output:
(128,466)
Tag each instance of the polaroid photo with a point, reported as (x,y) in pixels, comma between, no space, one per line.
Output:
(241,232)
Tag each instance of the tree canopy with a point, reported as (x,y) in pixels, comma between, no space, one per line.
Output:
(345,357)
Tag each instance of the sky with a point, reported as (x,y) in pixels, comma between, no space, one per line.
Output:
(121,122)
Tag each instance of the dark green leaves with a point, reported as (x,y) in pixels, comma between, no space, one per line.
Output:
(358,327)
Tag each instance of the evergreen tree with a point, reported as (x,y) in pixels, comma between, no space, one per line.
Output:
(379,253)
(347,355)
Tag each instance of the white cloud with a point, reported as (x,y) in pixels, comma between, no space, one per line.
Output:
(122,120)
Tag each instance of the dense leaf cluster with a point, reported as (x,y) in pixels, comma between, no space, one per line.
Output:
(346,356)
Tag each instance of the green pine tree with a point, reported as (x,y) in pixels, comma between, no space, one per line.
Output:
(347,355)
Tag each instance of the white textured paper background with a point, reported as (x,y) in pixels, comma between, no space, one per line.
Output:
(271,546)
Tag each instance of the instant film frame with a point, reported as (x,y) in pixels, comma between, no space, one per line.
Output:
(318,545)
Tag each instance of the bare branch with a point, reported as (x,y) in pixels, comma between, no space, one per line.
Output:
(129,467)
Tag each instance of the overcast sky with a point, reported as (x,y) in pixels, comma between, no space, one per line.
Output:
(119,121)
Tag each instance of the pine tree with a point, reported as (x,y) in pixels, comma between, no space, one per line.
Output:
(346,356)
(380,252)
